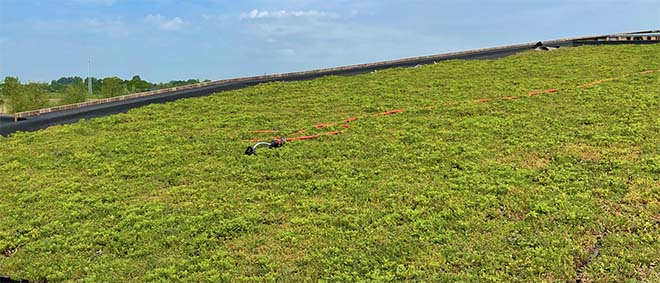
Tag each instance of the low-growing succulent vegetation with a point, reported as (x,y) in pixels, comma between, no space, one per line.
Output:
(557,187)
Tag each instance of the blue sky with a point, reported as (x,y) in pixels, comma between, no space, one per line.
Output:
(163,40)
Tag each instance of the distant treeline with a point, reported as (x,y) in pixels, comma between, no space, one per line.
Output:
(18,97)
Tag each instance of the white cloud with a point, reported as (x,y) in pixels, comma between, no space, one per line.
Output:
(111,27)
(96,2)
(295,32)
(173,24)
(209,17)
(287,52)
(280,14)
(216,19)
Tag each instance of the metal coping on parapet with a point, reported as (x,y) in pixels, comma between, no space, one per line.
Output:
(649,35)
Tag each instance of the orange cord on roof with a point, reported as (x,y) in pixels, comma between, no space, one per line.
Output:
(280,141)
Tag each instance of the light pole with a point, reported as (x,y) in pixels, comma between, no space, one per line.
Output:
(89,76)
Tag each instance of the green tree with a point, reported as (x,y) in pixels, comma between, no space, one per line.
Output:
(111,87)
(136,84)
(11,88)
(35,95)
(60,84)
(20,97)
(96,84)
(74,93)
(176,83)
(2,98)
